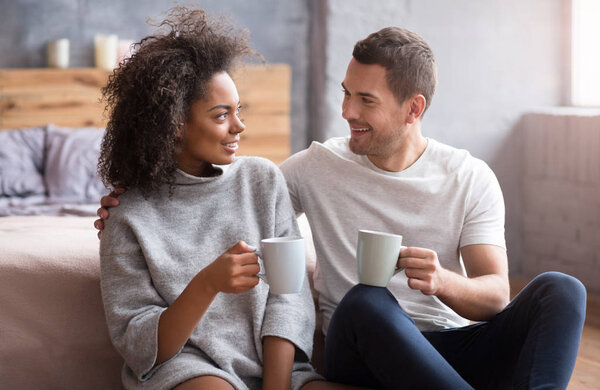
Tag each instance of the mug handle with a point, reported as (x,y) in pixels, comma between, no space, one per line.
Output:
(400,269)
(261,273)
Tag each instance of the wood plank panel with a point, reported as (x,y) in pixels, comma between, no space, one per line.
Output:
(264,88)
(65,97)
(72,98)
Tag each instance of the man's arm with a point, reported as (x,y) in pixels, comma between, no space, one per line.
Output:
(477,297)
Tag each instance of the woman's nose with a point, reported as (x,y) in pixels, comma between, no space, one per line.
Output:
(238,125)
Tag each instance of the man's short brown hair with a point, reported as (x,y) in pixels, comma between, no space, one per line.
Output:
(407,58)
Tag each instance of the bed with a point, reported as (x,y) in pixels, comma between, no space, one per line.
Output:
(52,323)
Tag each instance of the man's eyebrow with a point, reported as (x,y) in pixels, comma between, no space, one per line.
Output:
(364,94)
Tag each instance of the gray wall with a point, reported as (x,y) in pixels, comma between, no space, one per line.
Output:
(496,60)
(279,31)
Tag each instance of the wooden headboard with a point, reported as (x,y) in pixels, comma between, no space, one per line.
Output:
(71,98)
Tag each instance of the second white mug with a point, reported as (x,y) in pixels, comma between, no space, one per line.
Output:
(376,257)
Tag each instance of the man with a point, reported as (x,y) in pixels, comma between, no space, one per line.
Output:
(448,206)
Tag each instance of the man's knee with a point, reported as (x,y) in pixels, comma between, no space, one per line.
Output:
(562,289)
(368,302)
(560,284)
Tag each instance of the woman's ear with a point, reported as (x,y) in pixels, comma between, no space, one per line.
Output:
(417,106)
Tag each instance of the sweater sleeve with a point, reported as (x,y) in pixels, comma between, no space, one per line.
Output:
(290,316)
(131,303)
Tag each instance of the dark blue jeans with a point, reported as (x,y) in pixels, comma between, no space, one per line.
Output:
(531,344)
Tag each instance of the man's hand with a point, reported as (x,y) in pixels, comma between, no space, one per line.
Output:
(107,201)
(479,296)
(422,269)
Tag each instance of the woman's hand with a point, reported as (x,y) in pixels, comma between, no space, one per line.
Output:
(234,271)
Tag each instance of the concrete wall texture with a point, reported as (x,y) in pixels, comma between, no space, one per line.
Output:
(496,61)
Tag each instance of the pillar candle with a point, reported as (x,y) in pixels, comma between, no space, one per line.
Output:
(58,53)
(106,49)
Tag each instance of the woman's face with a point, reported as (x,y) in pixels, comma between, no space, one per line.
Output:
(211,134)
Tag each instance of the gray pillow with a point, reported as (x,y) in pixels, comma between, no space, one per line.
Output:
(21,161)
(71,164)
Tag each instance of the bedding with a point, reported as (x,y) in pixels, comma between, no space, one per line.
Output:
(50,170)
(21,162)
(52,322)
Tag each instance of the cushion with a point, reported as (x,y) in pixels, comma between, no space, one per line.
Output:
(71,164)
(21,161)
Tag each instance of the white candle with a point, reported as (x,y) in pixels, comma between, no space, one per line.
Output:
(106,48)
(58,53)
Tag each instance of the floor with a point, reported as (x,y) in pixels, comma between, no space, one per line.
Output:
(586,375)
(587,368)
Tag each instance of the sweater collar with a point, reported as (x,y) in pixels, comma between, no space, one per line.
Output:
(185,178)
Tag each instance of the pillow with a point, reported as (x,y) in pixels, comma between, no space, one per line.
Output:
(21,161)
(71,164)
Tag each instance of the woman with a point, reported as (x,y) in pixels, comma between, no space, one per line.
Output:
(183,303)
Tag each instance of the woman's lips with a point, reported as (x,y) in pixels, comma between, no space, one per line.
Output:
(231,147)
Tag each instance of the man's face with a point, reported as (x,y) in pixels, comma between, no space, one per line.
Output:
(376,119)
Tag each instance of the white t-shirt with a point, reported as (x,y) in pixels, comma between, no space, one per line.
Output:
(446,200)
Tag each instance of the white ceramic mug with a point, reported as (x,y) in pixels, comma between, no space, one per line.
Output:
(376,257)
(284,260)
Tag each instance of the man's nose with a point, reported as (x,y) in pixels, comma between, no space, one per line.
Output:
(349,110)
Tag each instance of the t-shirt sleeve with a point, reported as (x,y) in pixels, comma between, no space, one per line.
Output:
(290,316)
(131,303)
(484,218)
(291,171)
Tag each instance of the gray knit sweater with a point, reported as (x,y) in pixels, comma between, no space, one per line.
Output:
(151,249)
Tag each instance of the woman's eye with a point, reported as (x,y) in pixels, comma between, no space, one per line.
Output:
(222,116)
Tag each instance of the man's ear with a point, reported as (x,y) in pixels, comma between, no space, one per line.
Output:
(417,106)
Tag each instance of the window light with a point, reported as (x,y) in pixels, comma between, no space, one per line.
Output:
(585,43)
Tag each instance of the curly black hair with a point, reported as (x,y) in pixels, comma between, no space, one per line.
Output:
(149,96)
